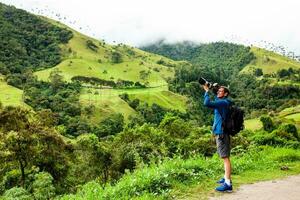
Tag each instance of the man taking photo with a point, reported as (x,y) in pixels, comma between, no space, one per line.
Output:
(220,106)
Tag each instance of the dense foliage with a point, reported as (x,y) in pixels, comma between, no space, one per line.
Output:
(221,62)
(28,41)
(102,82)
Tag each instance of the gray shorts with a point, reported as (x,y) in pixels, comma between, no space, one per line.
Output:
(223,145)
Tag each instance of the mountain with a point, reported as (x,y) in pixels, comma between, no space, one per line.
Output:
(271,80)
(269,62)
(43,45)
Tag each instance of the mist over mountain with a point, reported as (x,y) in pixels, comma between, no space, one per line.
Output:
(136,23)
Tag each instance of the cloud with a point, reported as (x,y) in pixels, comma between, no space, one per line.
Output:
(137,22)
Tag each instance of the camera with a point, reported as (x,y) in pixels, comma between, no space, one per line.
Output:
(213,86)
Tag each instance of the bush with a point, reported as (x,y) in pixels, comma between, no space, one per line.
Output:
(17,193)
(267,122)
(290,128)
(116,57)
(11,179)
(43,188)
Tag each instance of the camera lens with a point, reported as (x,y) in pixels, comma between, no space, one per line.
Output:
(202,81)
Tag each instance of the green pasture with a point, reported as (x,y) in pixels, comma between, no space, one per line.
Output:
(10,95)
(269,61)
(165,99)
(125,71)
(105,105)
(290,111)
(79,60)
(253,124)
(107,101)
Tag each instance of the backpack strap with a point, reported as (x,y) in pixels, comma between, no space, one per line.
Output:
(229,104)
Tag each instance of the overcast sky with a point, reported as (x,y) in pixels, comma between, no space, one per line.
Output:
(136,22)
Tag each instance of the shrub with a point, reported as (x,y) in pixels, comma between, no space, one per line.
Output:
(290,128)
(267,122)
(17,193)
(116,57)
(43,187)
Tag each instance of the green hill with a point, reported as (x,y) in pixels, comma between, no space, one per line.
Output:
(269,61)
(85,56)
(135,65)
(27,41)
(43,45)
(235,66)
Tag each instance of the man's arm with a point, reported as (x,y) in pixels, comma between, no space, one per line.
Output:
(213,104)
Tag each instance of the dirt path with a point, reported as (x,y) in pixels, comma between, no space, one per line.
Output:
(285,189)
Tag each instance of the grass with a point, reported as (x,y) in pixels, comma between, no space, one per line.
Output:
(165,99)
(262,166)
(105,104)
(80,60)
(290,110)
(10,95)
(253,124)
(295,117)
(194,178)
(107,101)
(292,113)
(269,61)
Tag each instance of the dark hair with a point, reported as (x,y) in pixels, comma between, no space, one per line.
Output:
(226,90)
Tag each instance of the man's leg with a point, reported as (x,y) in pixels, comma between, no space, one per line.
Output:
(227,168)
(223,146)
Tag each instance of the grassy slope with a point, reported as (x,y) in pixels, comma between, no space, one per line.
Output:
(84,62)
(107,101)
(10,95)
(269,61)
(292,113)
(288,115)
(253,124)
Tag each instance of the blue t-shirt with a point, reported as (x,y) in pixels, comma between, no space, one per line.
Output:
(220,107)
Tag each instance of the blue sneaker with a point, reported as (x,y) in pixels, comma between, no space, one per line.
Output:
(221,181)
(224,188)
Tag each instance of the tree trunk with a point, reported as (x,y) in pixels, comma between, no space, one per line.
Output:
(22,168)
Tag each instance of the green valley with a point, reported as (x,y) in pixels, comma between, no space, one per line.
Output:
(84,119)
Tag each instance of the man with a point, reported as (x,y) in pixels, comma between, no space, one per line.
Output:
(220,106)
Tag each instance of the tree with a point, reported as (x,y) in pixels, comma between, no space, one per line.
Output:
(16,139)
(267,122)
(258,72)
(91,45)
(56,79)
(43,188)
(111,125)
(116,57)
(92,159)
(26,142)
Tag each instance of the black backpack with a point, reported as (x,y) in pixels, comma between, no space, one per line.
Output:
(234,121)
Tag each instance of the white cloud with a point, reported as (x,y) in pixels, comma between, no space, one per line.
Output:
(139,21)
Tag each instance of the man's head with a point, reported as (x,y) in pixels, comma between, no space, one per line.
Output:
(223,92)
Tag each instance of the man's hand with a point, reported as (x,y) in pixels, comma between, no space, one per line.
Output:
(205,87)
